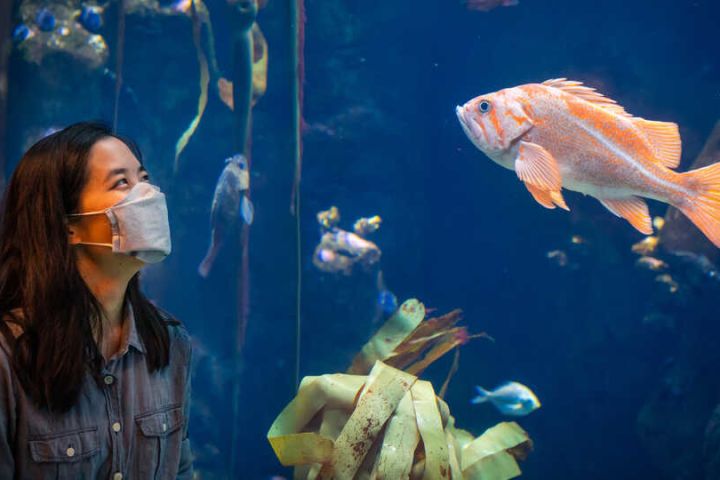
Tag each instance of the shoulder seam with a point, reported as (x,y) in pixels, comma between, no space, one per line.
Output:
(167,317)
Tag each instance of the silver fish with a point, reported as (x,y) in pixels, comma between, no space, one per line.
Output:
(230,203)
(511,398)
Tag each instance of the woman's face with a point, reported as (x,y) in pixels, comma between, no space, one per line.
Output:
(112,171)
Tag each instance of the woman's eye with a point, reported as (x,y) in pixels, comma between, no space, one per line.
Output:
(120,182)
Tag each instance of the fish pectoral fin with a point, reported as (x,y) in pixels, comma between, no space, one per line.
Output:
(664,138)
(541,196)
(247,211)
(632,209)
(547,198)
(558,200)
(536,166)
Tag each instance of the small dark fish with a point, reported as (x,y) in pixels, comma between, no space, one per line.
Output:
(91,18)
(21,33)
(651,263)
(230,203)
(45,20)
(558,257)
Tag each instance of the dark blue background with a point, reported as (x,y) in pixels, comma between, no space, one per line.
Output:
(458,231)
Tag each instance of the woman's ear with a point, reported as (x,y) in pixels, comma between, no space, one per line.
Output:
(72,233)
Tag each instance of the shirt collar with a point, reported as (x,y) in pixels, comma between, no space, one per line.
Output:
(133,339)
(130,337)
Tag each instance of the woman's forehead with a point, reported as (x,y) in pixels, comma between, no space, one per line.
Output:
(108,154)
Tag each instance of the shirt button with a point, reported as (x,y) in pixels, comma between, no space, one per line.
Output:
(109,379)
(70,452)
(117,476)
(116,427)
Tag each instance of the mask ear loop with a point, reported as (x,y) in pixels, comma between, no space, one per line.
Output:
(113,226)
(109,245)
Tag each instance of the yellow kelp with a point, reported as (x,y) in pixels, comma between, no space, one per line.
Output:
(387,424)
(407,342)
(259,72)
(198,10)
(383,422)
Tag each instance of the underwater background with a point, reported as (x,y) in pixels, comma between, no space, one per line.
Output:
(624,360)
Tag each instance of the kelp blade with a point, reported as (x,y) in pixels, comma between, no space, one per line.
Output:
(379,399)
(400,325)
(488,457)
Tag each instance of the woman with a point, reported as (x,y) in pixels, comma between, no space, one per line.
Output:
(94,379)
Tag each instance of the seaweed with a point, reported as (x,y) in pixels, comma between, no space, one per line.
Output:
(380,421)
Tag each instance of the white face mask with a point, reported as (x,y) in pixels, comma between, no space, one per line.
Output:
(139,224)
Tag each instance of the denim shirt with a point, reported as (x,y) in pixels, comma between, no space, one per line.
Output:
(134,425)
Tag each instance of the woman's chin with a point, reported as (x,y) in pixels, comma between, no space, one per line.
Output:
(126,263)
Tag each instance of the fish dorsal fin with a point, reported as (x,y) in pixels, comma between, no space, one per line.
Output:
(664,138)
(586,93)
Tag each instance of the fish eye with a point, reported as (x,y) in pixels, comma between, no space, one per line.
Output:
(484,106)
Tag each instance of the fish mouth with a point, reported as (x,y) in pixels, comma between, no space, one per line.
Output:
(469,127)
(460,112)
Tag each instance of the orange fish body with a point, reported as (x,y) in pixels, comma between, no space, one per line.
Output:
(561,134)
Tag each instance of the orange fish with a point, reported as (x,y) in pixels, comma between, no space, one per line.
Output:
(561,134)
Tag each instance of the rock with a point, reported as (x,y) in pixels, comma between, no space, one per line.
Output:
(679,234)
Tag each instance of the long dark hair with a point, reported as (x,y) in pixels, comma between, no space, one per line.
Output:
(38,273)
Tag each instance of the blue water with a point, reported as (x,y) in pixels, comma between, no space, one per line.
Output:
(382,82)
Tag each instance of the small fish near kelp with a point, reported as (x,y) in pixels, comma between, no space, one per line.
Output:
(230,205)
(561,134)
(511,398)
(386,302)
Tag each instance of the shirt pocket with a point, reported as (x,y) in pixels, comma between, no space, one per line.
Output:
(159,442)
(65,455)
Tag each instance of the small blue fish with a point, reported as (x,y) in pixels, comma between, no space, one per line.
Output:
(21,33)
(230,204)
(91,18)
(45,20)
(387,301)
(511,398)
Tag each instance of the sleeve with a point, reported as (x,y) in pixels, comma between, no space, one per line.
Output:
(185,470)
(7,417)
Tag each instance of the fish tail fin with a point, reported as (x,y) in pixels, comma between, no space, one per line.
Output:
(205,266)
(207,262)
(482,396)
(703,209)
